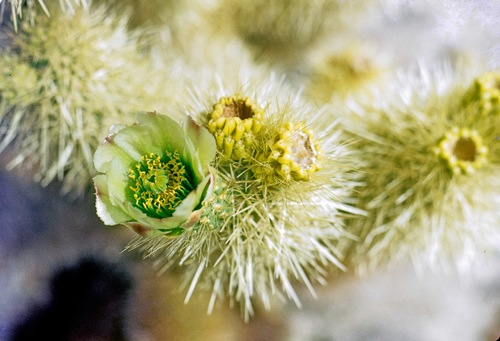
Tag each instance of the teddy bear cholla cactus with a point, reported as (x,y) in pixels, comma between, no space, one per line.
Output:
(432,161)
(263,228)
(66,80)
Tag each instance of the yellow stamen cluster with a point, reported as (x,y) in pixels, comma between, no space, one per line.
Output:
(295,155)
(463,150)
(159,184)
(486,90)
(234,122)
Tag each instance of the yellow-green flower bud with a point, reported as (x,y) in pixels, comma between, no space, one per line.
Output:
(233,122)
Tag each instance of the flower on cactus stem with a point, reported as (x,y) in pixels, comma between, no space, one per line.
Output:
(271,222)
(234,122)
(295,155)
(463,150)
(154,175)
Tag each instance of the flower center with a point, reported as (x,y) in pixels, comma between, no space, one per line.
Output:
(463,150)
(237,108)
(159,184)
(156,180)
(295,155)
(302,149)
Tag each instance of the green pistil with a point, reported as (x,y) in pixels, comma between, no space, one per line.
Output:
(156,181)
(159,184)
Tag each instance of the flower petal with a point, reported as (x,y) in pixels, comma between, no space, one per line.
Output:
(203,140)
(140,229)
(193,218)
(109,214)
(165,131)
(163,225)
(191,156)
(109,150)
(137,141)
(194,198)
(117,182)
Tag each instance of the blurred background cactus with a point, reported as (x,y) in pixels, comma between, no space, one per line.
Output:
(67,79)
(431,161)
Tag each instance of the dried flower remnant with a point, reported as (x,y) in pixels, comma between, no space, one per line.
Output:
(295,155)
(463,150)
(234,122)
